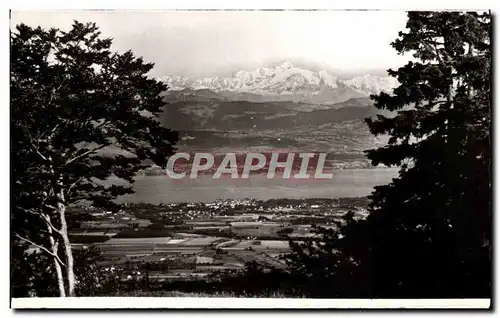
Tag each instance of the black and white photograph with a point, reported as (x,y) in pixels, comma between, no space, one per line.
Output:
(319,158)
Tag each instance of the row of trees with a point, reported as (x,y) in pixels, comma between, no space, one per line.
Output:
(79,114)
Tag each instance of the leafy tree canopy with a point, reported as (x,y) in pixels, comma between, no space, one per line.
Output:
(80,114)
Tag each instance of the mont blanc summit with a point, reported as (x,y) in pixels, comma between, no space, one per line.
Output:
(286,79)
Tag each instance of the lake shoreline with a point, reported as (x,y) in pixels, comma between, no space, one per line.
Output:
(204,189)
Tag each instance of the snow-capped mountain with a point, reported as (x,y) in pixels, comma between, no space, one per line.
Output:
(288,82)
(372,84)
(285,82)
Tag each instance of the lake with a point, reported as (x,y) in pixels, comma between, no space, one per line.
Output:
(345,183)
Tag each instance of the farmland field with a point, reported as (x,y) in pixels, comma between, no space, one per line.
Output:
(190,241)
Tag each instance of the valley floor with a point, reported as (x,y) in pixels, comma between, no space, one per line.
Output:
(198,241)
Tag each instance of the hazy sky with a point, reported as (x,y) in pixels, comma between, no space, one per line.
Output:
(201,43)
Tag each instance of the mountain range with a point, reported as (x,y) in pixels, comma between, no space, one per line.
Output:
(284,107)
(285,82)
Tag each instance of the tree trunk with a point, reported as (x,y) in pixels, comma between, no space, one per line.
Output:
(54,246)
(61,210)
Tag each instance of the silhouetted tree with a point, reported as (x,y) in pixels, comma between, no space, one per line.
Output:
(428,233)
(285,232)
(79,114)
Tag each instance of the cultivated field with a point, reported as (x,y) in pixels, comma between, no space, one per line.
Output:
(191,241)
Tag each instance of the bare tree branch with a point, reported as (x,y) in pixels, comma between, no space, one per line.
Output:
(35,148)
(86,153)
(41,247)
(73,185)
(46,218)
